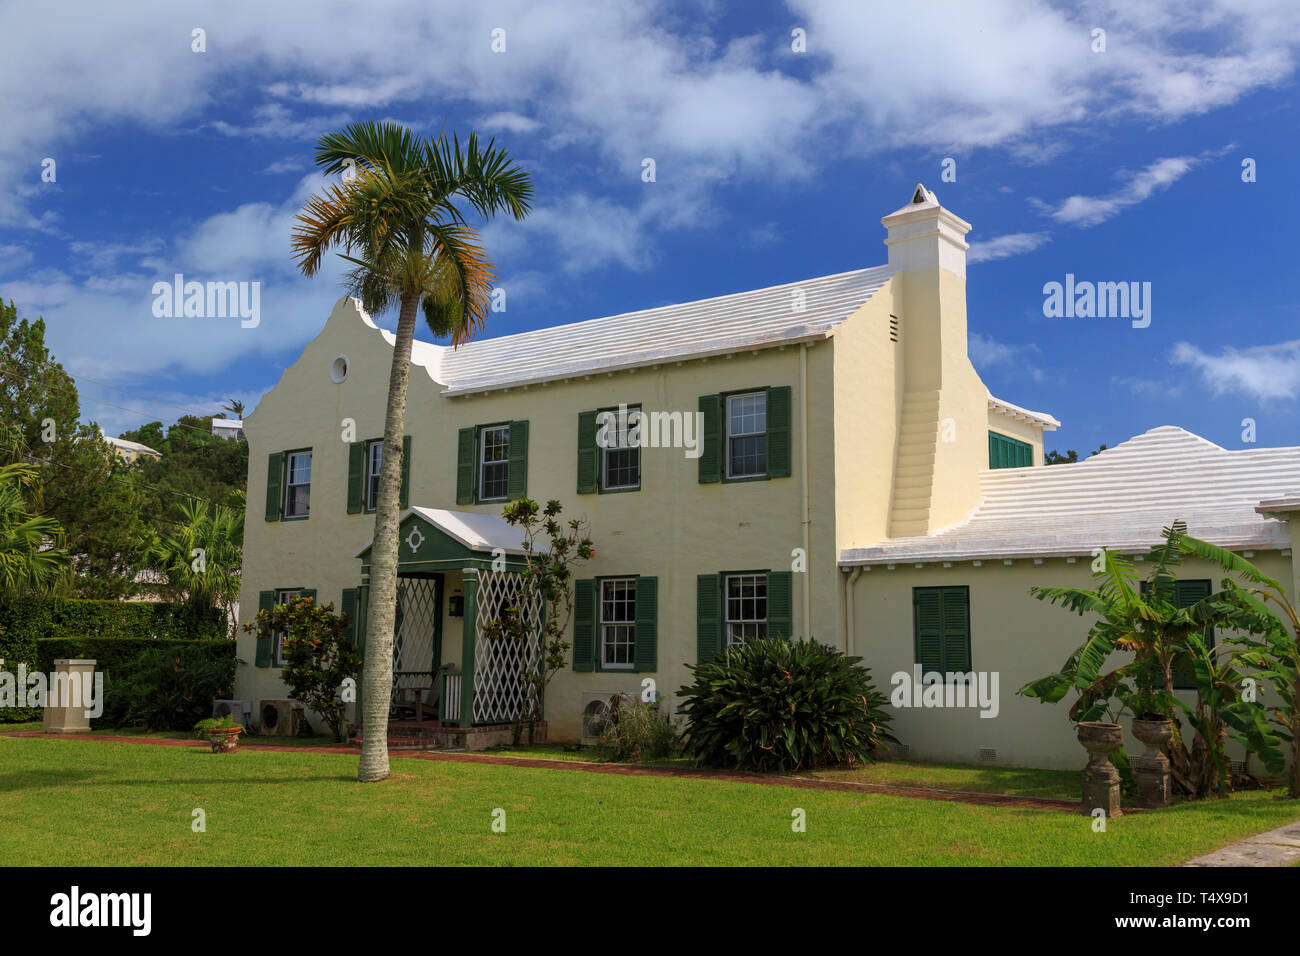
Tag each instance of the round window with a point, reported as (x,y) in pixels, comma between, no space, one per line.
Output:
(339,369)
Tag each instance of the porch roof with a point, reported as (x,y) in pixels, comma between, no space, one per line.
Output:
(473,530)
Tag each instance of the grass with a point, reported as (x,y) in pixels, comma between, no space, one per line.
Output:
(94,802)
(1052,784)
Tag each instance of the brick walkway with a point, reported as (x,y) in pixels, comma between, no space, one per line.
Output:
(630,770)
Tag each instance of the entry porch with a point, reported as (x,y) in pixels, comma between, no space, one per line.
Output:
(453,685)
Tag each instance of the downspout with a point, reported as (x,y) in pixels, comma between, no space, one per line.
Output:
(850,638)
(807,521)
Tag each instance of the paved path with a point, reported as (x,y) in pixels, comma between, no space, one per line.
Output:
(1280,847)
(631,770)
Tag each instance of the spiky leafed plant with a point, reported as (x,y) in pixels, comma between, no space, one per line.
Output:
(1143,618)
(398,208)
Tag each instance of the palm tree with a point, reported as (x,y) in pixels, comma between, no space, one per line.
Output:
(235,407)
(397,209)
(32,557)
(202,557)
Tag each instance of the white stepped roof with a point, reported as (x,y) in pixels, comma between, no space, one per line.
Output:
(476,531)
(1118,499)
(760,318)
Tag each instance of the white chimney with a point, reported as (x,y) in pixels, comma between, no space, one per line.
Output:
(924,235)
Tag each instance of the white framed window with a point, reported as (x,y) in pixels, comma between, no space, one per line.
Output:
(297,494)
(746,608)
(493,462)
(374,462)
(617,623)
(282,597)
(747,435)
(621,467)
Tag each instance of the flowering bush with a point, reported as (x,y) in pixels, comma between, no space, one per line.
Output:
(317,655)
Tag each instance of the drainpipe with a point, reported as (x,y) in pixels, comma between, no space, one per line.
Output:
(850,639)
(803,454)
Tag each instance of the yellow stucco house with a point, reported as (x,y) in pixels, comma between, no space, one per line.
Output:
(822,460)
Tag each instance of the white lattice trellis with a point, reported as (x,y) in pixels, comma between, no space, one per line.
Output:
(498,664)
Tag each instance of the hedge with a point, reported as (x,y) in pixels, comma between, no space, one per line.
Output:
(17,649)
(119,619)
(165,685)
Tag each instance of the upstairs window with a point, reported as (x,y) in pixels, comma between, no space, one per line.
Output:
(747,435)
(494,462)
(297,497)
(374,462)
(621,467)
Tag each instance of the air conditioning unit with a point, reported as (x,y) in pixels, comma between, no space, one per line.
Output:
(595,705)
(279,718)
(240,711)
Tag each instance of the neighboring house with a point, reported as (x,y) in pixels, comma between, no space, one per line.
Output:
(131,450)
(852,480)
(228,428)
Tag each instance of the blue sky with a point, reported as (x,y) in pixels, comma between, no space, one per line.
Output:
(771,166)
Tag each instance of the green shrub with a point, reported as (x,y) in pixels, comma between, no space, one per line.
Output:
(17,648)
(163,685)
(632,730)
(778,705)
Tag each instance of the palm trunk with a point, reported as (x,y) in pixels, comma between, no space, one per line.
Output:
(377,671)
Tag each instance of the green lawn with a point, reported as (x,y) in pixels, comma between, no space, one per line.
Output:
(1052,784)
(72,801)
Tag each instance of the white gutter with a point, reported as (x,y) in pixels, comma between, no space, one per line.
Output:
(803,454)
(850,638)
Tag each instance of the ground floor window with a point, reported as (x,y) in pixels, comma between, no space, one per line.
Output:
(282,597)
(746,612)
(618,623)
(941,618)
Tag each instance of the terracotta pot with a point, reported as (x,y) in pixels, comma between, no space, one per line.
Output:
(224,740)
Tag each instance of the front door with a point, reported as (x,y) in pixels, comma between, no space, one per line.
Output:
(417,634)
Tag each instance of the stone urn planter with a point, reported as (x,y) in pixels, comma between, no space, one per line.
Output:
(1152,767)
(1100,778)
(224,740)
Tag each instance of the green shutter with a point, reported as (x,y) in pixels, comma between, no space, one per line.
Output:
(517,477)
(274,485)
(587,453)
(927,622)
(1006,452)
(780,609)
(348,607)
(778,432)
(265,602)
(956,630)
(645,654)
(356,477)
(1187,593)
(584,624)
(710,461)
(708,617)
(466,441)
(404,496)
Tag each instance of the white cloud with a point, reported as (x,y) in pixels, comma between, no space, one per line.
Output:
(1002,247)
(987,352)
(1091,210)
(288,164)
(1261,372)
(509,122)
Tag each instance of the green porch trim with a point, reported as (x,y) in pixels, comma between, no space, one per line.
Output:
(425,547)
(468,637)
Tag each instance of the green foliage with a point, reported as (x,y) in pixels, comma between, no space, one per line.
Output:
(1071,456)
(634,730)
(194,463)
(169,686)
(318,657)
(551,549)
(215,723)
(777,705)
(33,561)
